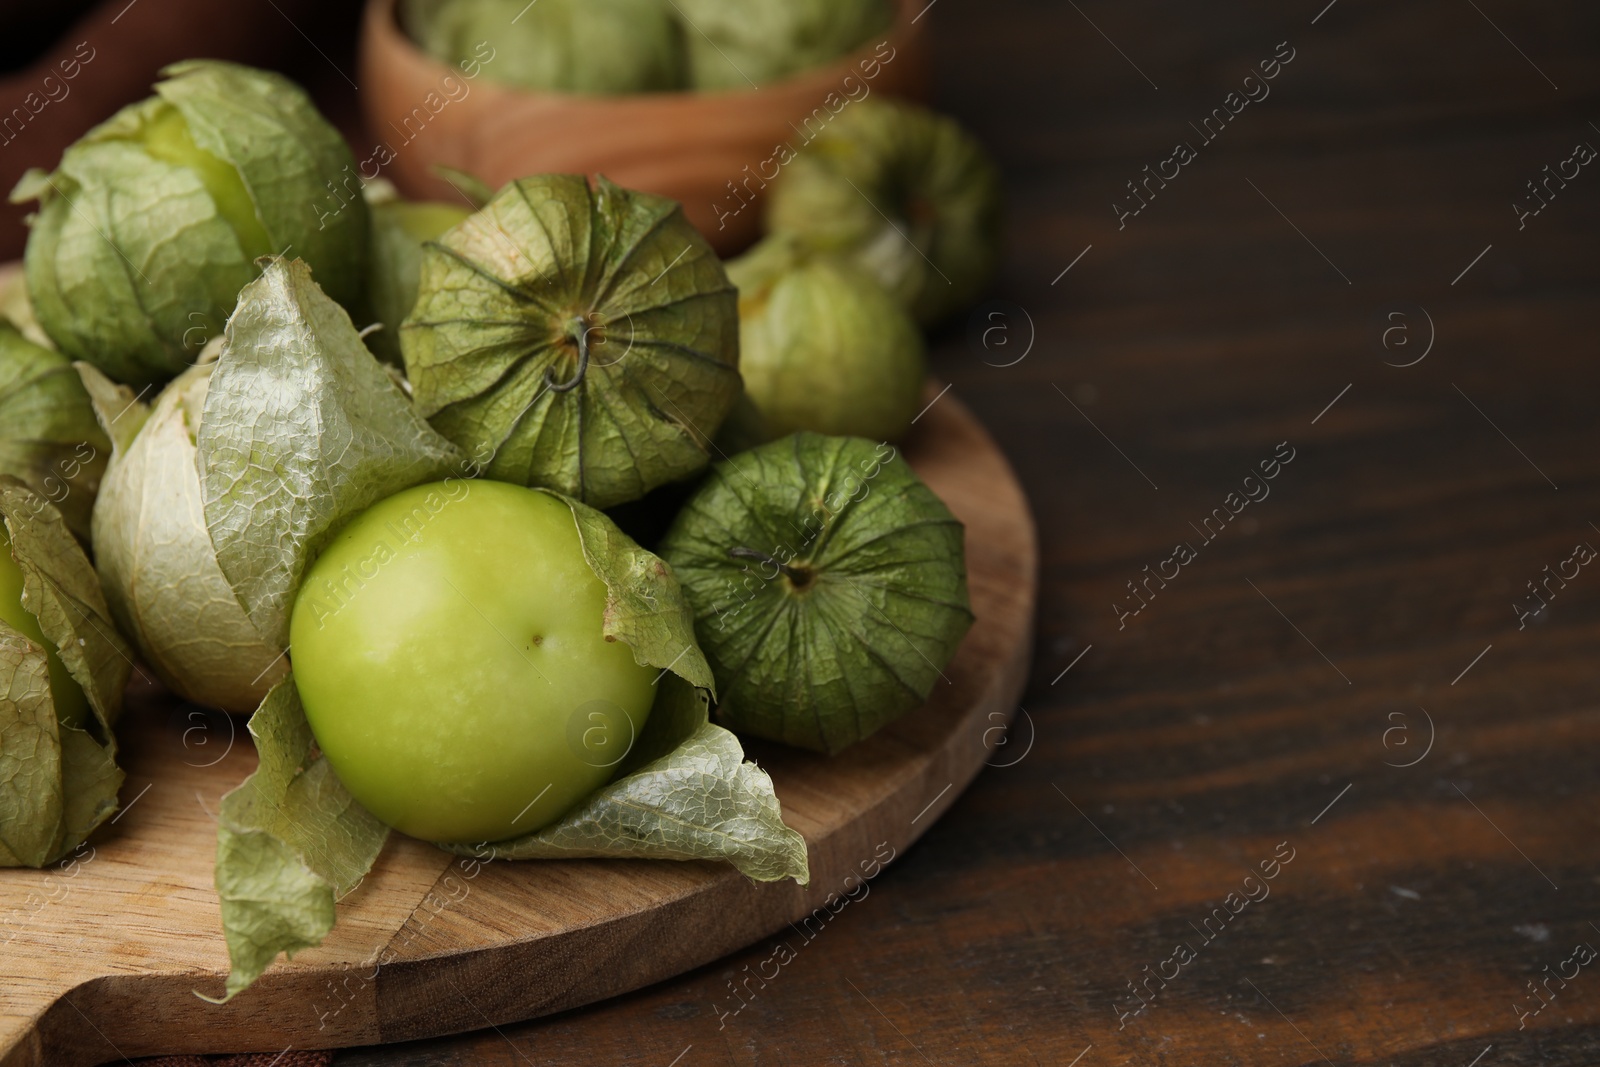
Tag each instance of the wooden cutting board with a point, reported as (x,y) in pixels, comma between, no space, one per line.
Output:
(103,956)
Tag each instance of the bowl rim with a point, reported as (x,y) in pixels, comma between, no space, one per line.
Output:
(383,19)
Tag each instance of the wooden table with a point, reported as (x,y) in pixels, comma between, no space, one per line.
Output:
(1361,617)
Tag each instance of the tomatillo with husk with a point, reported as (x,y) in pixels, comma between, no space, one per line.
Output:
(49,438)
(63,668)
(450,651)
(828,585)
(584,338)
(906,193)
(399,228)
(154,219)
(155,557)
(71,706)
(822,346)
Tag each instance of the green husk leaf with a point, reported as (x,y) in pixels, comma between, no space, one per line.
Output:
(91,780)
(118,409)
(509,296)
(684,791)
(290,842)
(30,755)
(17,307)
(645,608)
(908,194)
(35,184)
(62,592)
(287,155)
(57,782)
(698,799)
(155,558)
(878,612)
(302,430)
(129,265)
(49,438)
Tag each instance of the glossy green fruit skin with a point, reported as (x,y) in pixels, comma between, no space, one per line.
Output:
(72,709)
(448,649)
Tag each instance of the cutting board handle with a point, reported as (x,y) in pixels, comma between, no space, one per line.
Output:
(26,1008)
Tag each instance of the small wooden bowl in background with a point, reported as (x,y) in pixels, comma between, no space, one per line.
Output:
(685,145)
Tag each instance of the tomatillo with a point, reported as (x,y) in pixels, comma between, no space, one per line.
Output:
(399,228)
(448,648)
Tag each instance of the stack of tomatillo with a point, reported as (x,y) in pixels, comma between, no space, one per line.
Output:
(605,47)
(888,221)
(367,502)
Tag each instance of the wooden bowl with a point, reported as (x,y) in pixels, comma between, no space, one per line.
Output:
(712,151)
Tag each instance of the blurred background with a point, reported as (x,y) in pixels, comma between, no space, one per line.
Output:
(129,44)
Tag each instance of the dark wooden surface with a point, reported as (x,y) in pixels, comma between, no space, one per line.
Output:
(1267,693)
(1211,728)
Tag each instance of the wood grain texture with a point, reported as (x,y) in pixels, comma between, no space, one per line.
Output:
(104,958)
(715,152)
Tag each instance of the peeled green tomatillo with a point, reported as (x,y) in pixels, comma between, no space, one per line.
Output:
(822,346)
(154,219)
(906,193)
(449,651)
(828,584)
(72,708)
